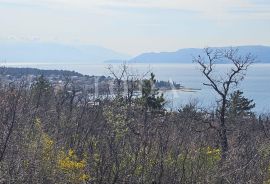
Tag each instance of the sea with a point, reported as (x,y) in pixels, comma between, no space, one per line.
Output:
(256,84)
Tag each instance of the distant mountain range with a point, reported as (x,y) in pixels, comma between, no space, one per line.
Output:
(262,54)
(38,52)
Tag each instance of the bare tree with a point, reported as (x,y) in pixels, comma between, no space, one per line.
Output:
(126,80)
(118,77)
(222,84)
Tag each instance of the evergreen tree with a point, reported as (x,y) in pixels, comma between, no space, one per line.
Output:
(41,89)
(239,105)
(150,94)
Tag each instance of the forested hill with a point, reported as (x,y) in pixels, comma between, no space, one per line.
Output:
(18,72)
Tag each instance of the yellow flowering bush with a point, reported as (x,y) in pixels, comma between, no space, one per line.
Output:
(47,149)
(64,165)
(73,167)
(47,144)
(117,122)
(213,153)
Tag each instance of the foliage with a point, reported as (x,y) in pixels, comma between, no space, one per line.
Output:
(55,164)
(150,95)
(73,167)
(63,138)
(239,105)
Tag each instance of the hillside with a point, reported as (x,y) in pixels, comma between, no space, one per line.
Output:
(53,52)
(186,55)
(19,72)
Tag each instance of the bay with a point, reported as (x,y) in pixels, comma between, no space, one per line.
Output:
(256,84)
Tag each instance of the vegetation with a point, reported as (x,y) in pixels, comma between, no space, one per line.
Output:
(239,105)
(61,136)
(19,72)
(222,84)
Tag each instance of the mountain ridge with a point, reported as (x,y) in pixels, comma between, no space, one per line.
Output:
(49,52)
(56,52)
(262,54)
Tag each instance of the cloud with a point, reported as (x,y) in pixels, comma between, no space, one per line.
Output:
(216,10)
(134,25)
(211,9)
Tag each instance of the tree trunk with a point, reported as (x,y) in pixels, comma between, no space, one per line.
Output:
(222,131)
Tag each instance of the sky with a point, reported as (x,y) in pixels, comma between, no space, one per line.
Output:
(136,26)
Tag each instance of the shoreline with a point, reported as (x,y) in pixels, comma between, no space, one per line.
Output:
(183,89)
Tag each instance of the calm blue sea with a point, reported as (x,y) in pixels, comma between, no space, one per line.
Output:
(256,85)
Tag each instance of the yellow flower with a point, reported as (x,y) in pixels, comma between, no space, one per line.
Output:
(84,177)
(70,152)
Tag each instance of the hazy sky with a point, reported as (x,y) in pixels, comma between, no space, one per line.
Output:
(134,26)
